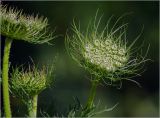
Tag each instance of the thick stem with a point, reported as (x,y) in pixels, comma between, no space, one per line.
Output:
(92,94)
(7,109)
(32,108)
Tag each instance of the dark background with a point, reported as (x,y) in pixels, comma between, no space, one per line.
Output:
(70,79)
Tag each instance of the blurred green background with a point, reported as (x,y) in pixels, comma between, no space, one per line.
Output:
(70,79)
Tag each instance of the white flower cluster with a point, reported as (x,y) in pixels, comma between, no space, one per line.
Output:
(106,54)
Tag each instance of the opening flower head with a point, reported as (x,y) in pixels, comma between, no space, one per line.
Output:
(17,25)
(105,54)
(25,84)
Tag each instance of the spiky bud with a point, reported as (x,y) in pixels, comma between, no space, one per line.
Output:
(26,84)
(19,26)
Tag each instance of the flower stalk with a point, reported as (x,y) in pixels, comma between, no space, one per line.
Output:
(32,108)
(5,84)
(105,54)
(92,94)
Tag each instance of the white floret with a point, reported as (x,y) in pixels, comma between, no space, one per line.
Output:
(106,54)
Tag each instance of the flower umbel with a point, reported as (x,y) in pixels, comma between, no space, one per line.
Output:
(17,25)
(105,54)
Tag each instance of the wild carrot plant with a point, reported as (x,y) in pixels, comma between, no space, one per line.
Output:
(105,54)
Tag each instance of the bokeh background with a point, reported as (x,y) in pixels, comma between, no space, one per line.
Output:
(70,79)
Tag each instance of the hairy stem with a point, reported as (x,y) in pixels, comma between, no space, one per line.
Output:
(92,94)
(7,109)
(32,108)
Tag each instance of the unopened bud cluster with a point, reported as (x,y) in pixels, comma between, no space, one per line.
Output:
(105,54)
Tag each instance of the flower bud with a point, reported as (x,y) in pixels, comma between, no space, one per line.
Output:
(26,84)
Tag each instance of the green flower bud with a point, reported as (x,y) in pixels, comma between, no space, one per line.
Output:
(26,84)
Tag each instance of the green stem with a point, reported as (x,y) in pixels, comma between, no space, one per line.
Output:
(92,94)
(7,109)
(32,108)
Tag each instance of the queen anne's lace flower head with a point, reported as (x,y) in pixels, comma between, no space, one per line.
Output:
(17,25)
(104,54)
